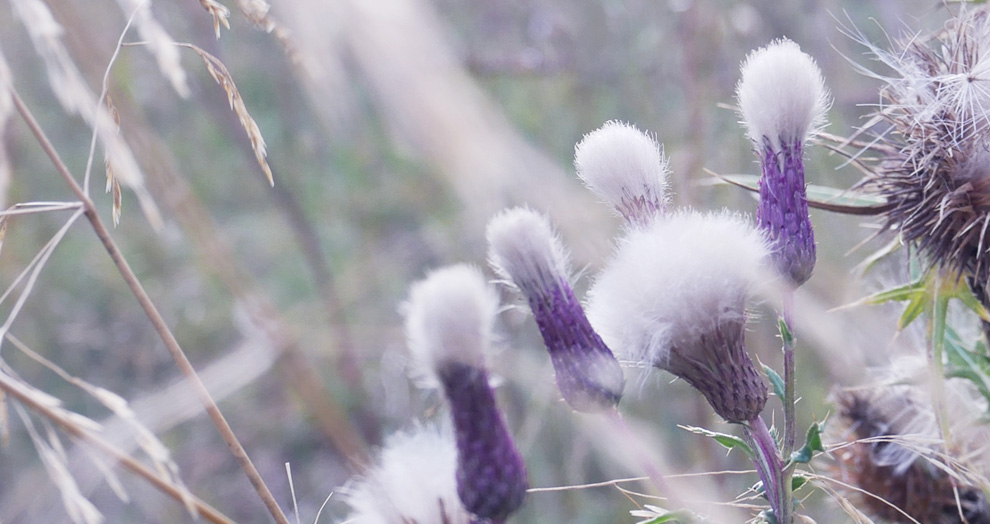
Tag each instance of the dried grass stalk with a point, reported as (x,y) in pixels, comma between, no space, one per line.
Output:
(222,76)
(6,110)
(76,97)
(159,43)
(219,13)
(258,12)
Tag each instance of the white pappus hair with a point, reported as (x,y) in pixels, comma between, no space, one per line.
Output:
(450,317)
(625,167)
(781,94)
(414,480)
(673,282)
(523,248)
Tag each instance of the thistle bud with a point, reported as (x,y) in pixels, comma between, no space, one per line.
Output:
(449,322)
(674,296)
(783,100)
(524,249)
(626,168)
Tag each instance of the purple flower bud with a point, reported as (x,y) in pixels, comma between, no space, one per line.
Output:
(448,323)
(783,211)
(524,249)
(674,296)
(782,98)
(491,476)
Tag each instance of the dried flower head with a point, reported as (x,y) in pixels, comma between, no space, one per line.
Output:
(625,167)
(674,296)
(524,249)
(932,165)
(782,98)
(413,481)
(449,320)
(894,458)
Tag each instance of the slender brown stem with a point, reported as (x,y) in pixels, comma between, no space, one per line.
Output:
(179,494)
(171,344)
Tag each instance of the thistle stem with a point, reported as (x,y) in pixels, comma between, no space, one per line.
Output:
(649,466)
(770,468)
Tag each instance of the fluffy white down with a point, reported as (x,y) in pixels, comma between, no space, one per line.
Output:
(416,471)
(618,161)
(523,248)
(781,94)
(667,284)
(450,316)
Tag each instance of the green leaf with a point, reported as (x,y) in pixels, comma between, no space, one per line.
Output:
(727,441)
(972,365)
(908,291)
(913,310)
(775,380)
(785,333)
(812,444)
(818,196)
(798,481)
(966,296)
(670,517)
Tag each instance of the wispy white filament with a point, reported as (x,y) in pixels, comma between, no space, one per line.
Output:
(782,94)
(671,283)
(413,481)
(523,248)
(623,165)
(449,318)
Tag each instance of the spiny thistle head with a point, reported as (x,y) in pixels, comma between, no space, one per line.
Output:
(782,98)
(933,168)
(449,320)
(895,463)
(674,296)
(626,168)
(412,481)
(524,249)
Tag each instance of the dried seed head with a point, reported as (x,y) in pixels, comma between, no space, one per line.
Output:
(783,100)
(413,481)
(674,296)
(449,322)
(895,461)
(625,167)
(932,167)
(524,249)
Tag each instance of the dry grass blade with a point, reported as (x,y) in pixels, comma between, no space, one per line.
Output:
(219,13)
(159,43)
(82,428)
(6,110)
(219,73)
(76,97)
(113,185)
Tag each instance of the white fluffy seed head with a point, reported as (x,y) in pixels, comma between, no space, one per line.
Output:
(450,316)
(669,284)
(625,167)
(523,248)
(413,481)
(782,94)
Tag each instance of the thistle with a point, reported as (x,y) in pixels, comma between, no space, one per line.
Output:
(449,322)
(782,98)
(524,249)
(626,168)
(895,463)
(413,481)
(674,296)
(933,152)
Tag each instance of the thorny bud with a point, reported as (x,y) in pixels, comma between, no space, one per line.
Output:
(449,322)
(523,248)
(783,99)
(674,296)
